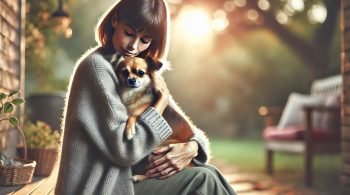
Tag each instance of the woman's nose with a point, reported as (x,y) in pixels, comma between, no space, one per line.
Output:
(133,44)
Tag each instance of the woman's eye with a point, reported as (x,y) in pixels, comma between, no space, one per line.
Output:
(145,40)
(128,33)
(140,73)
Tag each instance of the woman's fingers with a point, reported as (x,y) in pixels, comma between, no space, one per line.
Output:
(159,171)
(159,157)
(177,156)
(157,167)
(165,173)
(162,149)
(160,164)
(156,163)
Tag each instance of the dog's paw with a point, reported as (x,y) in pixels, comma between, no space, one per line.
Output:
(129,136)
(138,178)
(130,132)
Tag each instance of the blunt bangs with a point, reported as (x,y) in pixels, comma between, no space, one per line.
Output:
(149,24)
(150,17)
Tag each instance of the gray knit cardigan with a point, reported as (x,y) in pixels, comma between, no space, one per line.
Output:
(95,156)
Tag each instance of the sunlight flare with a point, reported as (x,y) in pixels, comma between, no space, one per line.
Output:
(195,21)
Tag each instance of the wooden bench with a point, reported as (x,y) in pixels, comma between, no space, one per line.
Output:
(308,145)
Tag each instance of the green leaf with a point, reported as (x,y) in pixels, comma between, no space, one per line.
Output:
(14,121)
(17,101)
(8,107)
(13,93)
(2,96)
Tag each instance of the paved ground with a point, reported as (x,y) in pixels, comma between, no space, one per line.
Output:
(249,184)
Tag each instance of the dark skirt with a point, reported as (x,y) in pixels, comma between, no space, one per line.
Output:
(199,180)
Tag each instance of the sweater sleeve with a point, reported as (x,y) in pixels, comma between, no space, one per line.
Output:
(199,136)
(103,116)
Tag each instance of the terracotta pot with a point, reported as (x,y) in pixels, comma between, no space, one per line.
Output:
(45,159)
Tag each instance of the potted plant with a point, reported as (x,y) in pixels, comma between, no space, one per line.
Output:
(13,171)
(42,142)
(8,102)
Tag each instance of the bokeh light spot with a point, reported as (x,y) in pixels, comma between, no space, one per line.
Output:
(282,17)
(195,21)
(317,13)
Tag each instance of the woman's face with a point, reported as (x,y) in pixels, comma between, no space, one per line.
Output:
(127,41)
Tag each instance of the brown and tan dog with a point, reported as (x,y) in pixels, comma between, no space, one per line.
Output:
(136,76)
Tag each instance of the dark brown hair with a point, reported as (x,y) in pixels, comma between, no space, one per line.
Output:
(148,16)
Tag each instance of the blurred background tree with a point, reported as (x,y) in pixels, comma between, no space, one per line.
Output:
(42,34)
(307,27)
(260,51)
(229,56)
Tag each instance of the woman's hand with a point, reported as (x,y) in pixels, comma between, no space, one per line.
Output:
(162,93)
(168,160)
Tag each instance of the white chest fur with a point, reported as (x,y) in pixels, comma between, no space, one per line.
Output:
(136,98)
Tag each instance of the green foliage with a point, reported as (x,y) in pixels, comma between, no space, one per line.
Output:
(8,103)
(40,135)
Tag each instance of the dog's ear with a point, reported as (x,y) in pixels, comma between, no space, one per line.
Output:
(155,64)
(116,59)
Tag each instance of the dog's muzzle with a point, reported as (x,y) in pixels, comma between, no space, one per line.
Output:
(132,82)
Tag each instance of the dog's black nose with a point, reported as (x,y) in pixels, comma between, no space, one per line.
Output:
(132,81)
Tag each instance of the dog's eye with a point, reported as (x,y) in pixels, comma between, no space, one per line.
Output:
(125,72)
(140,73)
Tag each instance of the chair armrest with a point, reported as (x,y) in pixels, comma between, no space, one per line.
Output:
(271,114)
(321,108)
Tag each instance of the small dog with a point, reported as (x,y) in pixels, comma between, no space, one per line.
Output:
(136,76)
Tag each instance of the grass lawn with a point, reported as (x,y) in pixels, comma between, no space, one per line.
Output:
(249,156)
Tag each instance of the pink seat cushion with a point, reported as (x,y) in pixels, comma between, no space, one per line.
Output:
(296,133)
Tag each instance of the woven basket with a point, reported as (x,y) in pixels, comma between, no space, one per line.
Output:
(17,175)
(45,159)
(21,174)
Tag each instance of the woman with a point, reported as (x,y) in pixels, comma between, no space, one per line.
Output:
(95,157)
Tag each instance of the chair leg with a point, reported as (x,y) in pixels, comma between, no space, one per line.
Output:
(269,162)
(308,160)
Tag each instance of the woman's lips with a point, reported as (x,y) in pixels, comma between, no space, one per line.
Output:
(128,53)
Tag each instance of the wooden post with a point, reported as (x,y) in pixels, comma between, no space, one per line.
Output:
(269,162)
(308,154)
(345,112)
